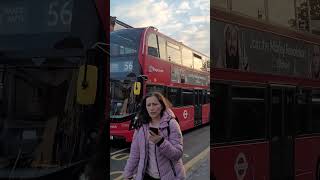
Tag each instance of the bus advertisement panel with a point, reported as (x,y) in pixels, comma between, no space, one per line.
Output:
(262,52)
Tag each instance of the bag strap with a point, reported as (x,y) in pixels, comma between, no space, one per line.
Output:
(168,127)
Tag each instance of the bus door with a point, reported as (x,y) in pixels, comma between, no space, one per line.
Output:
(281,132)
(198,107)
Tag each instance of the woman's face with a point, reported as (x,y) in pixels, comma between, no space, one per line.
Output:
(153,107)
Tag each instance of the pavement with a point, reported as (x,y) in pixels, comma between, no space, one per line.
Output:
(200,168)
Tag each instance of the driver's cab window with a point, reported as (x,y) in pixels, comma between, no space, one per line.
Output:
(122,98)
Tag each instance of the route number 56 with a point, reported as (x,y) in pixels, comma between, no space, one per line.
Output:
(60,13)
(128,66)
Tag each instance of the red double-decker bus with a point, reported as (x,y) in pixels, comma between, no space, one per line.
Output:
(265,89)
(144,60)
(53,79)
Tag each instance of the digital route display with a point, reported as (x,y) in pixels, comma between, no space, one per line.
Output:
(35,17)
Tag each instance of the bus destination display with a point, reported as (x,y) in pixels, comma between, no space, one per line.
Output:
(34,16)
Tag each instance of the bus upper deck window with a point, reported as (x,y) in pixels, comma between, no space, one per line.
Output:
(153,45)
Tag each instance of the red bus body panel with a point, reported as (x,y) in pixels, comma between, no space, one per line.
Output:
(158,71)
(307,154)
(121,130)
(227,161)
(103,11)
(185,122)
(205,113)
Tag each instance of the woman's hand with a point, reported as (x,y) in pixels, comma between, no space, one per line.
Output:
(154,137)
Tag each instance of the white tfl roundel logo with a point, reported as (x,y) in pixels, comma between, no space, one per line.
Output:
(241,166)
(185,114)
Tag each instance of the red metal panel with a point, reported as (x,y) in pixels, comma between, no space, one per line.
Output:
(158,71)
(245,161)
(235,75)
(185,116)
(315,152)
(205,113)
(304,160)
(103,11)
(121,130)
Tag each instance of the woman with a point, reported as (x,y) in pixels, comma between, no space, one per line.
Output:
(152,155)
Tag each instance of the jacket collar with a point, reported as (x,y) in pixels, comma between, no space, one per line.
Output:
(167,116)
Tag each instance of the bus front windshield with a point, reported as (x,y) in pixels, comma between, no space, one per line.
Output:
(123,101)
(124,70)
(124,48)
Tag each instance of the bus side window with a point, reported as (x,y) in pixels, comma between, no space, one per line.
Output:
(302,115)
(174,54)
(197,62)
(316,111)
(162,48)
(204,96)
(221,108)
(174,95)
(248,114)
(187,97)
(156,88)
(187,57)
(153,46)
(207,97)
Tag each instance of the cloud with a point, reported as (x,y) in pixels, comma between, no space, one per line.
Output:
(199,19)
(203,5)
(196,37)
(184,6)
(185,21)
(144,13)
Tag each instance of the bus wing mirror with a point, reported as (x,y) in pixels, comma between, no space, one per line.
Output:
(87,84)
(137,88)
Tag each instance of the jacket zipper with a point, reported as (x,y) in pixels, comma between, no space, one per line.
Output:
(155,152)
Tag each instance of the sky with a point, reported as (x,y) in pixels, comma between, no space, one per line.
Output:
(187,21)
